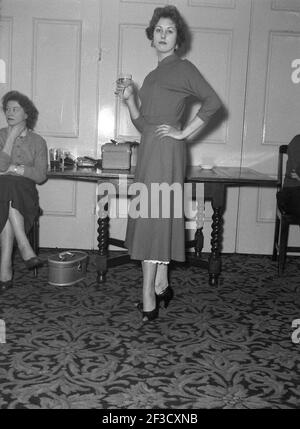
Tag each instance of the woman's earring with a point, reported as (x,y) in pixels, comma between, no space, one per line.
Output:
(152,44)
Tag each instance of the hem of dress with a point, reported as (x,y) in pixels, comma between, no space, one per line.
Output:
(147,259)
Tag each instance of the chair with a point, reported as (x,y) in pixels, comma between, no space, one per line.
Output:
(283,220)
(33,236)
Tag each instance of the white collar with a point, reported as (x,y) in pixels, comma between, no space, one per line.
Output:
(24,133)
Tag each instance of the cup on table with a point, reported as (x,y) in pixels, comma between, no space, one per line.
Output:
(54,157)
(57,158)
(63,153)
(123,80)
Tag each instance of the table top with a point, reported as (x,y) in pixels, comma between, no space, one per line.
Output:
(219,174)
(230,175)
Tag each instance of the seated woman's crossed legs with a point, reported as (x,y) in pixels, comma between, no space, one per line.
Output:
(14,228)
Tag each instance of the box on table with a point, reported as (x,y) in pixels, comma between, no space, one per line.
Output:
(67,268)
(116,156)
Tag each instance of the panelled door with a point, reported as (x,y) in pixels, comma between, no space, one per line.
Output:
(219,48)
(51,51)
(271,114)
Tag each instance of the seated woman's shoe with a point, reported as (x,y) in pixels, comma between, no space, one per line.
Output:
(5,285)
(148,316)
(34,262)
(166,296)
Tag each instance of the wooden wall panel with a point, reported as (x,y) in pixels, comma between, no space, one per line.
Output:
(154,2)
(227,4)
(6,31)
(286,5)
(282,92)
(59,198)
(131,41)
(56,60)
(215,65)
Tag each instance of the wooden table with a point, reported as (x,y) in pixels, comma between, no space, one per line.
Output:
(216,182)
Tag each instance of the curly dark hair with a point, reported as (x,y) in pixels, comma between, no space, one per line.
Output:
(172,13)
(27,105)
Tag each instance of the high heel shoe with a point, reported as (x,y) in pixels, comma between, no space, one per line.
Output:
(5,285)
(148,316)
(166,295)
(34,262)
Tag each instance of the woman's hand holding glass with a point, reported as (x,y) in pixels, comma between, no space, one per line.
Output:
(128,92)
(124,88)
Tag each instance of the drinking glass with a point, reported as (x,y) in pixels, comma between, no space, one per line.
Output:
(123,80)
(57,158)
(54,158)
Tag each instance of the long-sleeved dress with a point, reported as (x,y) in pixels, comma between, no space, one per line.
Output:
(30,150)
(163,160)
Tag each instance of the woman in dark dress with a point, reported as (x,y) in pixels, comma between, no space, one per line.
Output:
(162,153)
(23,163)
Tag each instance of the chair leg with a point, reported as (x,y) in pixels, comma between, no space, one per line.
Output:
(283,240)
(35,234)
(33,237)
(276,235)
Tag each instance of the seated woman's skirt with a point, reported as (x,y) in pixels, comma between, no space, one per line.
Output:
(24,197)
(288,199)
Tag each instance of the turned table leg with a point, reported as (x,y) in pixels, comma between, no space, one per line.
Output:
(103,237)
(214,267)
(218,196)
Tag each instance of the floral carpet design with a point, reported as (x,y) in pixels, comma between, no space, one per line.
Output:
(84,346)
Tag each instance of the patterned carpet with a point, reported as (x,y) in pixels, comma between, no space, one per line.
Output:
(84,346)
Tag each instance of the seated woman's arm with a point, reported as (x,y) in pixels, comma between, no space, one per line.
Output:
(38,172)
(6,143)
(4,162)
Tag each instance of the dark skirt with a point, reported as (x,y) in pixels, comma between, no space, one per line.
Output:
(23,195)
(289,200)
(160,161)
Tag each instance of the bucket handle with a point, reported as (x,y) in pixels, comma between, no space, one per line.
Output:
(63,255)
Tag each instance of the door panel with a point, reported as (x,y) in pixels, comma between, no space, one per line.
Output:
(271,114)
(52,53)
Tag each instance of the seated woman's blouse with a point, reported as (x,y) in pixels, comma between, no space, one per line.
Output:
(30,150)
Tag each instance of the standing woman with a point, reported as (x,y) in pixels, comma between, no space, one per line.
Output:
(23,163)
(162,152)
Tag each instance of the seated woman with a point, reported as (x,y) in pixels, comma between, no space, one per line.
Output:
(288,197)
(23,163)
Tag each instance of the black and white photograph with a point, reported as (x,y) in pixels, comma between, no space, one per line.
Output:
(149,207)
